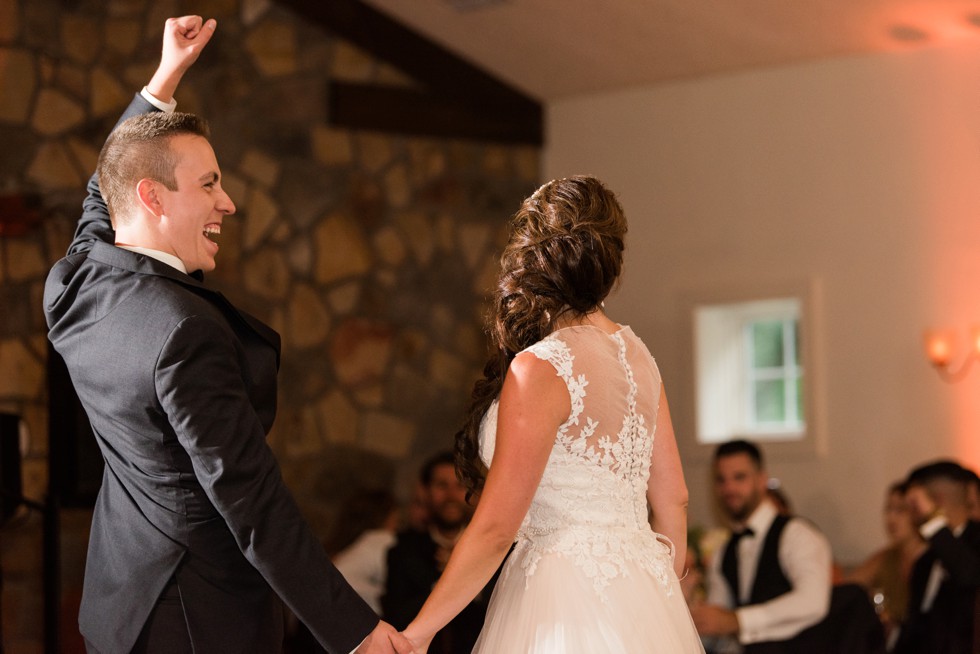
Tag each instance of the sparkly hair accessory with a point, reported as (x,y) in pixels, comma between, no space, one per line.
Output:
(534,196)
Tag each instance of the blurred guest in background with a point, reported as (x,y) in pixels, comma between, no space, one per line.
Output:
(363,533)
(945,579)
(773,578)
(886,573)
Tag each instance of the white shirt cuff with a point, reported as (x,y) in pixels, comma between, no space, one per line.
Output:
(751,620)
(932,526)
(166,107)
(359,645)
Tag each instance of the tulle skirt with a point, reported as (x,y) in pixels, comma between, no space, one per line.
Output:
(558,610)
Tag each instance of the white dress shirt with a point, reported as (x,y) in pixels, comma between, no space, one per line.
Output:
(165,107)
(364,565)
(805,558)
(163,257)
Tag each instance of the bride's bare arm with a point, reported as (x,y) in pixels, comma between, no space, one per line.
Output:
(534,402)
(667,492)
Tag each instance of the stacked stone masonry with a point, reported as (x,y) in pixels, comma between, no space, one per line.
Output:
(370,253)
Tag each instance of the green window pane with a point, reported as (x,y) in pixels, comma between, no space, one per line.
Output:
(767,344)
(770,401)
(796,341)
(799,399)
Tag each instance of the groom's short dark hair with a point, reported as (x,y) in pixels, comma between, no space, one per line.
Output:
(138,148)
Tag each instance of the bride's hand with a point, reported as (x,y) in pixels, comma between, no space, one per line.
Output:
(420,643)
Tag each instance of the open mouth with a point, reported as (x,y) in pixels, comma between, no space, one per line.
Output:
(212,231)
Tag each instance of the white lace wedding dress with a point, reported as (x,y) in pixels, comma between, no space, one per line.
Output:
(588,575)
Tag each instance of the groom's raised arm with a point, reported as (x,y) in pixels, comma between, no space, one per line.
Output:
(183,40)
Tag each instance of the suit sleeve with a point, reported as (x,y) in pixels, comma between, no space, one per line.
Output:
(94,224)
(960,556)
(199,384)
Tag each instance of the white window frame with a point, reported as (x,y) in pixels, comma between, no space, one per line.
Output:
(722,394)
(786,373)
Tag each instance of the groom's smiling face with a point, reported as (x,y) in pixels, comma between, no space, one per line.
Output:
(193,212)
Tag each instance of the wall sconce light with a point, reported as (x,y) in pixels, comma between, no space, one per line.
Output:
(941,347)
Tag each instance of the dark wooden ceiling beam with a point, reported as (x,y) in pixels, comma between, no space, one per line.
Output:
(406,111)
(454,89)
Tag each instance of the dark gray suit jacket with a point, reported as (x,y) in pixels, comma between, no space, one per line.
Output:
(948,627)
(180,388)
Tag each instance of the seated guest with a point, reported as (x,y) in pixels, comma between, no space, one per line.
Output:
(945,579)
(363,533)
(418,558)
(773,578)
(885,574)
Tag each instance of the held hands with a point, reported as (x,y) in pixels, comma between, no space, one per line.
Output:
(420,643)
(183,40)
(385,640)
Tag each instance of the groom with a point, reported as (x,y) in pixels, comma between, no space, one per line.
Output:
(194,533)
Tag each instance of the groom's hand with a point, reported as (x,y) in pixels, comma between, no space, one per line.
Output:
(183,40)
(385,640)
(403,645)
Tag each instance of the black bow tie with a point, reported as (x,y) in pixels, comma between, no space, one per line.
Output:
(739,535)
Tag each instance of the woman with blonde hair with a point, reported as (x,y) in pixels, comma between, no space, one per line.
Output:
(886,573)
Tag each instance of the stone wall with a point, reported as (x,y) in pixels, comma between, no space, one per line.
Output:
(369,253)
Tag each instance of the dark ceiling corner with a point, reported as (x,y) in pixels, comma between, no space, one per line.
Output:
(456,100)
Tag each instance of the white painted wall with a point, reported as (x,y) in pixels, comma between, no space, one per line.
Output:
(857,176)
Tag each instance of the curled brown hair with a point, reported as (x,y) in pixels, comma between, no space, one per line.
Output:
(564,255)
(139,148)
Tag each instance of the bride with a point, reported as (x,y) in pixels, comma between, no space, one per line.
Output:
(570,447)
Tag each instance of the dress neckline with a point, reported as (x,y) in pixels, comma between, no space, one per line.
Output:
(622,329)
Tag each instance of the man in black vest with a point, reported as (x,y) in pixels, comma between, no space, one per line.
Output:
(772,580)
(944,582)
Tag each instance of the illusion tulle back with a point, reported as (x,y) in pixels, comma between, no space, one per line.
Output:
(587,574)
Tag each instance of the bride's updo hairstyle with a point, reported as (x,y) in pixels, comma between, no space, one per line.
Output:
(564,255)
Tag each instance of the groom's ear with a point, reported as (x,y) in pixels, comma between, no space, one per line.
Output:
(149,197)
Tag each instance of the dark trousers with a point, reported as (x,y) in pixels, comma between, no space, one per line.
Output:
(165,631)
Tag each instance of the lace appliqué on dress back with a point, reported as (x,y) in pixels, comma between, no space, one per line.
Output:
(591,503)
